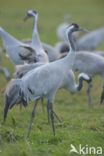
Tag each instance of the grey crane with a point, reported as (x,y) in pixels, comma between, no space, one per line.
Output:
(39,47)
(40,82)
(51,52)
(88,42)
(92,64)
(91,40)
(36,43)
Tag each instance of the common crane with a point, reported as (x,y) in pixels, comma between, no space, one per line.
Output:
(36,43)
(91,40)
(88,42)
(45,81)
(92,64)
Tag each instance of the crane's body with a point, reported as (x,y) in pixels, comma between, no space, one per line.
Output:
(92,64)
(49,83)
(91,40)
(89,63)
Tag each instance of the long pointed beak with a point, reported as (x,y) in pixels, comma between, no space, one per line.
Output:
(84,30)
(26,18)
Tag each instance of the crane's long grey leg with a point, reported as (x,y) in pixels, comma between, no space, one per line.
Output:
(51,115)
(32,117)
(89,86)
(55,115)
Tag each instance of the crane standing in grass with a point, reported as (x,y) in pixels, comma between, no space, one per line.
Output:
(45,81)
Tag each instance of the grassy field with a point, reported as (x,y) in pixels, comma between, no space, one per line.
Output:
(81,124)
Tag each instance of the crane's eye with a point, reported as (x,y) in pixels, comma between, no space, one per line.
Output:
(75,25)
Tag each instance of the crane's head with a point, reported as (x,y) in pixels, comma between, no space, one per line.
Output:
(31,13)
(83,77)
(75,27)
(12,95)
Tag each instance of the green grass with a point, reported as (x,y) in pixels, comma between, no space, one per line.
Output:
(80,124)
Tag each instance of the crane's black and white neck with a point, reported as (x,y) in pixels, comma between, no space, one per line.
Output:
(70,58)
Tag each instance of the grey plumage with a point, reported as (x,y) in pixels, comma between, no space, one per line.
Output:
(101,53)
(89,63)
(52,53)
(88,42)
